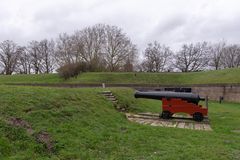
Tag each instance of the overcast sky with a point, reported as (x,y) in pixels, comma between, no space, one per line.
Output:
(172,22)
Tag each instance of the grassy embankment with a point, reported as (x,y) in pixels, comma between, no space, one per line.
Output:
(84,125)
(207,77)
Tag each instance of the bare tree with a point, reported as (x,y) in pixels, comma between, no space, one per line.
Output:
(88,45)
(231,56)
(216,55)
(64,53)
(156,57)
(24,61)
(192,57)
(78,50)
(46,50)
(118,49)
(35,56)
(8,56)
(130,63)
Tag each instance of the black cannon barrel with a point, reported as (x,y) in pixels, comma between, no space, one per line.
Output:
(190,97)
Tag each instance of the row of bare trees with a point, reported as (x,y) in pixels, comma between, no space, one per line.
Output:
(106,48)
(37,57)
(101,47)
(191,57)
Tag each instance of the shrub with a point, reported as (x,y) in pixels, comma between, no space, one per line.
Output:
(72,70)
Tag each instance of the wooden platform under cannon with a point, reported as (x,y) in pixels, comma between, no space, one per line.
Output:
(177,121)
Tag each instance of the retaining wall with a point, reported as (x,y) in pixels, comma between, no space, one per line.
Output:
(229,93)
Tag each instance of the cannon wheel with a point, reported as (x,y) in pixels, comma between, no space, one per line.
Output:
(198,116)
(166,115)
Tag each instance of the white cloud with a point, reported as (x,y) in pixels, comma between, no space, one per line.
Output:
(172,22)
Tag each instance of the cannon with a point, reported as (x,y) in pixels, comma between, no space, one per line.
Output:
(177,102)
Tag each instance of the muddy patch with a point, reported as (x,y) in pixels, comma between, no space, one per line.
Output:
(18,122)
(45,138)
(41,137)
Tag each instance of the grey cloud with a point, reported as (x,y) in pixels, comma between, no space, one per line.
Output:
(172,22)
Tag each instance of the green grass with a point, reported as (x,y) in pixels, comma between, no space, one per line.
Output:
(84,125)
(207,77)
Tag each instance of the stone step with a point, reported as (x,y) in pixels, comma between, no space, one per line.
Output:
(105,92)
(112,99)
(207,127)
(110,96)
